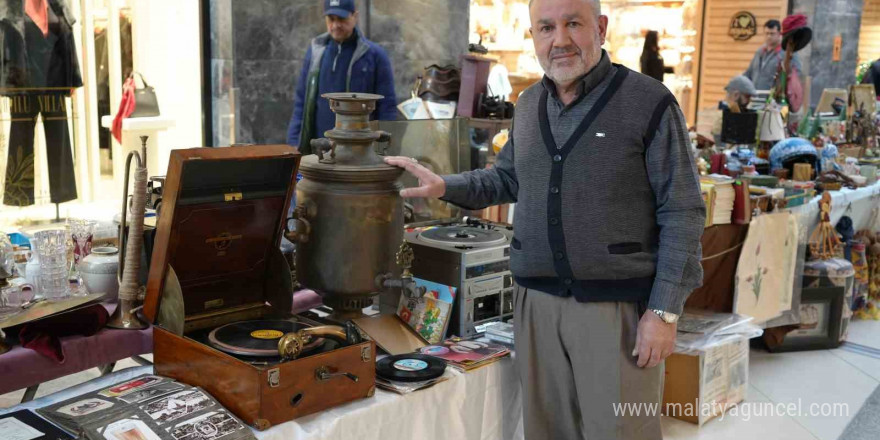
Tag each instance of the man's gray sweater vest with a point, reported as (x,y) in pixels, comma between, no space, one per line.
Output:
(586,220)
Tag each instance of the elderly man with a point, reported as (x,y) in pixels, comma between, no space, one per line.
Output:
(341,60)
(765,63)
(607,230)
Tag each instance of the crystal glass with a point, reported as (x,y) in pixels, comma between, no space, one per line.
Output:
(12,297)
(81,232)
(51,247)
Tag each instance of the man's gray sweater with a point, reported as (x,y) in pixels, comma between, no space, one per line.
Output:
(608,204)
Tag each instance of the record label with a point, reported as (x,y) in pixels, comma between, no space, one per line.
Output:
(266,334)
(258,338)
(410,365)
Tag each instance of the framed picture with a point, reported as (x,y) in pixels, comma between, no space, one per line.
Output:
(821,313)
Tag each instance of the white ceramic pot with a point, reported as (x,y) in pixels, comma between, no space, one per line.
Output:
(98,271)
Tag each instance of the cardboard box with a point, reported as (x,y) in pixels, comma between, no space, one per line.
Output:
(700,388)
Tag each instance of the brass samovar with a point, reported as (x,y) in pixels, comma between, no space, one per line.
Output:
(349,213)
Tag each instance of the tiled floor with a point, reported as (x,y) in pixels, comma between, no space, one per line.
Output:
(839,376)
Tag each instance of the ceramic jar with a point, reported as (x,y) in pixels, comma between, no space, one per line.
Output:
(99,271)
(32,272)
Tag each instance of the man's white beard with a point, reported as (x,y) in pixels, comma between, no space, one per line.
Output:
(566,74)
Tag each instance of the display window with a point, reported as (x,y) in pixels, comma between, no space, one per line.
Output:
(62,63)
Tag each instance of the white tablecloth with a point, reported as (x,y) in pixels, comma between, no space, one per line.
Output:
(482,404)
(854,203)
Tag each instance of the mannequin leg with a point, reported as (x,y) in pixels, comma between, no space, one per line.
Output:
(59,151)
(19,187)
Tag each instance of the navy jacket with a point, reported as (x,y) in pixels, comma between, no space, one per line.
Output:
(368,72)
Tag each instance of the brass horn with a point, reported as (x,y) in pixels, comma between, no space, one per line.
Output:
(125,316)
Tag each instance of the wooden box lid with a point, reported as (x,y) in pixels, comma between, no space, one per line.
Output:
(220,224)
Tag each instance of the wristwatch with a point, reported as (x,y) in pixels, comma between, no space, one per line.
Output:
(669,318)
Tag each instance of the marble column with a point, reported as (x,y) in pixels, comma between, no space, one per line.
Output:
(828,19)
(270,39)
(418,33)
(258,49)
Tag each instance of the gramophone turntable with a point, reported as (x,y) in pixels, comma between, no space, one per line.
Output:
(220,292)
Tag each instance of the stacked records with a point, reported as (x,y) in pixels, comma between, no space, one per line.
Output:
(405,373)
(465,355)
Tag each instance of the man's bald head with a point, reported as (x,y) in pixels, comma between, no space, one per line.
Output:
(597,8)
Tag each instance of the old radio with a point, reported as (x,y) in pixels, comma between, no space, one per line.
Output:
(220,292)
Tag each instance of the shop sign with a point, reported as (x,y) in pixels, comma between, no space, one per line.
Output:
(743,26)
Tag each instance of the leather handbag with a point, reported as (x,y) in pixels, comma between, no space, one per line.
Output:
(145,100)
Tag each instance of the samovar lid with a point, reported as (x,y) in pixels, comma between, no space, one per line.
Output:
(312,168)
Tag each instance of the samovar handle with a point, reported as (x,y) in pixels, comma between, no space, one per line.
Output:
(319,146)
(385,137)
(303,227)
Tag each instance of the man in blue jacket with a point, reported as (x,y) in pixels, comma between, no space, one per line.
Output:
(341,60)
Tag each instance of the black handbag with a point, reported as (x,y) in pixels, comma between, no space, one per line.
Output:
(145,100)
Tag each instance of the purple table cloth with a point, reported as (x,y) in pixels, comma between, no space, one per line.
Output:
(22,367)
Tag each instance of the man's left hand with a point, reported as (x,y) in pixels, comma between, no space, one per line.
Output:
(655,340)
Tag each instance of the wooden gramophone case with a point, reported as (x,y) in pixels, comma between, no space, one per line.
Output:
(216,260)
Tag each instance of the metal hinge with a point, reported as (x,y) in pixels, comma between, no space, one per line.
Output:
(274,378)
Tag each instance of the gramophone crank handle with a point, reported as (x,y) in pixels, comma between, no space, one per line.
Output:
(323,373)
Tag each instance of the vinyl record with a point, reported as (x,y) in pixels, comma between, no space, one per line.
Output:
(412,367)
(462,236)
(258,338)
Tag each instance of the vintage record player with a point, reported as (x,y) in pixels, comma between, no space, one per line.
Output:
(220,292)
(472,255)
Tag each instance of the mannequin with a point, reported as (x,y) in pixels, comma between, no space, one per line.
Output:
(38,70)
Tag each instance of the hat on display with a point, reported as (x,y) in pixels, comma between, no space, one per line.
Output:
(339,8)
(788,150)
(742,84)
(794,27)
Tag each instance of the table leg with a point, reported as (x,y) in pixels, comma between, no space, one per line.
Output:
(107,368)
(140,360)
(29,393)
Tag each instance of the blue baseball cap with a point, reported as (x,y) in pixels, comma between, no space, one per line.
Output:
(339,8)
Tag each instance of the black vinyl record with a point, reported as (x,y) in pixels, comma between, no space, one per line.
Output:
(258,338)
(412,367)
